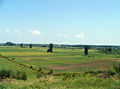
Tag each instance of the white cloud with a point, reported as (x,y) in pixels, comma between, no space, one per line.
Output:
(7,31)
(13,31)
(16,31)
(61,35)
(81,35)
(35,32)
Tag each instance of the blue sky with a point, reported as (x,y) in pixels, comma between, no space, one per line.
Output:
(60,21)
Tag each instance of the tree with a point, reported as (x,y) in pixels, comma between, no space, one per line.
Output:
(86,50)
(109,50)
(10,44)
(30,45)
(50,48)
(21,45)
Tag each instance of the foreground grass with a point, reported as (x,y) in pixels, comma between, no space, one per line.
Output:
(9,65)
(52,82)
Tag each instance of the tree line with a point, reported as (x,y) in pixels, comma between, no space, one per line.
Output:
(109,50)
(50,50)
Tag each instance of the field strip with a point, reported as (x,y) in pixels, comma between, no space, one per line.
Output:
(92,63)
(45,56)
(20,64)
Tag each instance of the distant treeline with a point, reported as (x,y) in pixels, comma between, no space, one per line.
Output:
(60,46)
(109,50)
(91,46)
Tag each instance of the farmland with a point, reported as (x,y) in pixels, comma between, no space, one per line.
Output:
(62,60)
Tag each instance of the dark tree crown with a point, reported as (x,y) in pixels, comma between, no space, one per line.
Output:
(86,50)
(50,48)
(21,44)
(30,45)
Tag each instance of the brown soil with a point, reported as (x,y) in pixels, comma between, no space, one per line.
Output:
(59,67)
(27,56)
(53,59)
(93,64)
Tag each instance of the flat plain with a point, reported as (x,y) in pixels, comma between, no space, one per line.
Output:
(62,60)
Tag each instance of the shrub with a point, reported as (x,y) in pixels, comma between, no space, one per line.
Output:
(41,74)
(13,74)
(67,76)
(13,58)
(116,67)
(21,75)
(51,72)
(110,73)
(40,69)
(5,73)
(31,67)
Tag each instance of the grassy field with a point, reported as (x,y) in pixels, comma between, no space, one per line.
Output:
(62,60)
(52,82)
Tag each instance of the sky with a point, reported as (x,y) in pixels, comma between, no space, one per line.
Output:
(92,22)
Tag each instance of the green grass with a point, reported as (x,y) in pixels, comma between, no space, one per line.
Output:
(71,60)
(52,82)
(37,57)
(8,65)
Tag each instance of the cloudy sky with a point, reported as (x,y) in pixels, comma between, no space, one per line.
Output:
(60,21)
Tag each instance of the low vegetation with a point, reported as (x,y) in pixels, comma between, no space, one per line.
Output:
(20,75)
(65,68)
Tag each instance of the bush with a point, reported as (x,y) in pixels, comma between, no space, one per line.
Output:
(70,75)
(116,67)
(91,55)
(5,74)
(40,69)
(51,72)
(13,58)
(41,74)
(21,75)
(111,73)
(13,74)
(31,67)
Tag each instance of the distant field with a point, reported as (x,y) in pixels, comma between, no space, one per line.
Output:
(62,59)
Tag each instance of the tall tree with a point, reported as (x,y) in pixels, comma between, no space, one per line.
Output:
(86,50)
(30,45)
(50,48)
(21,45)
(109,50)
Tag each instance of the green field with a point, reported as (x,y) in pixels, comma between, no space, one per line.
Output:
(62,60)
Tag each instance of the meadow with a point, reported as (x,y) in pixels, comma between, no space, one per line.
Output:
(62,60)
